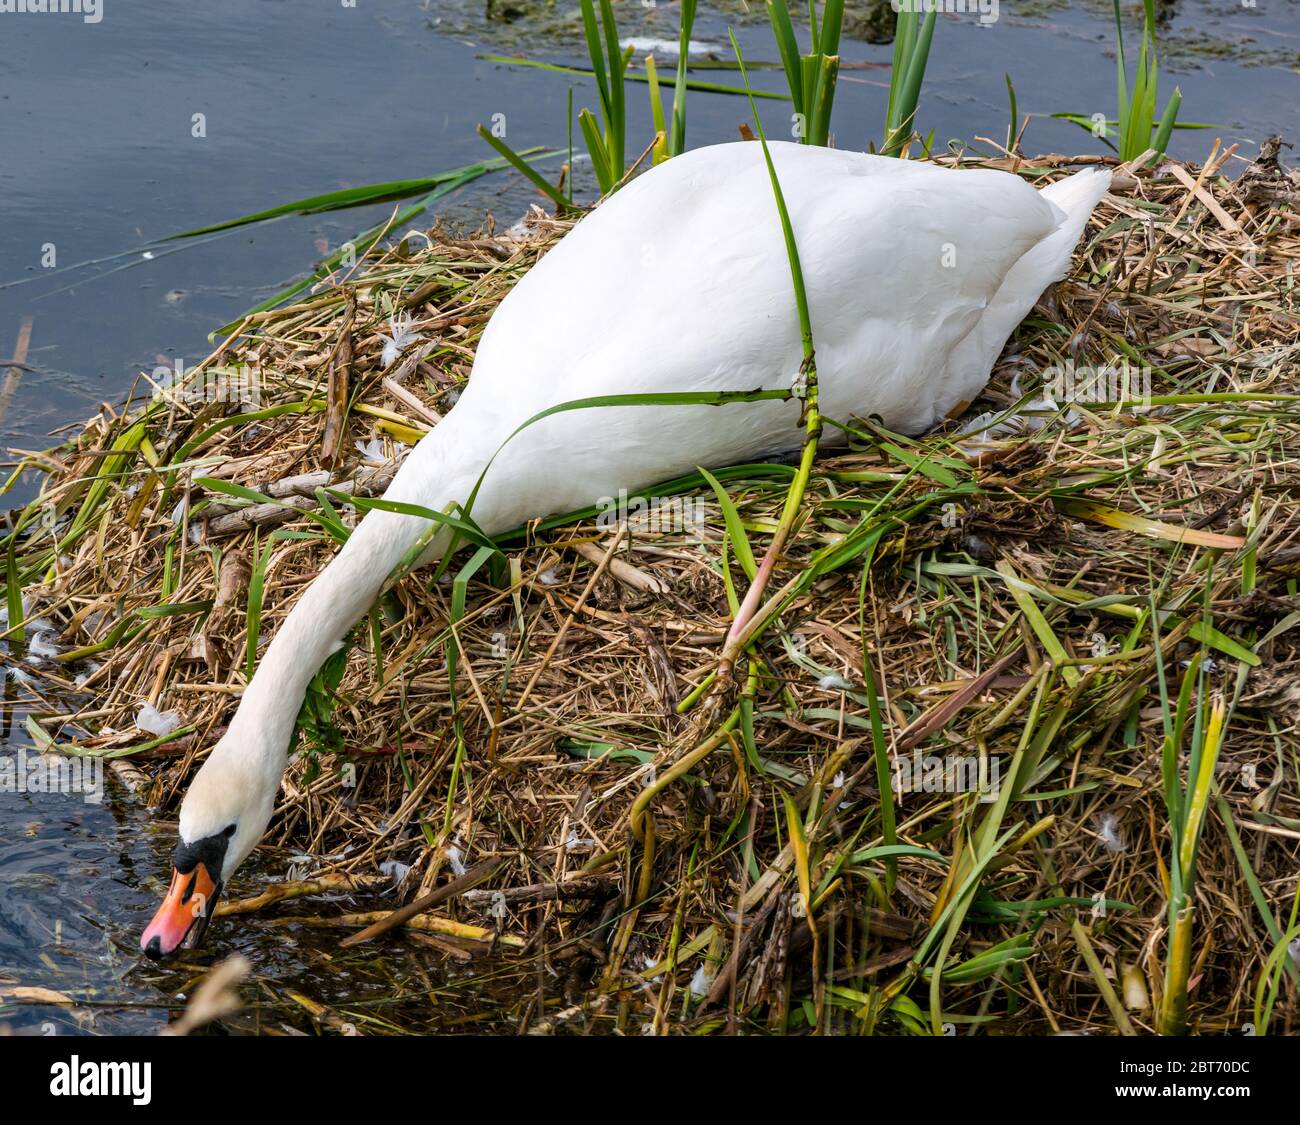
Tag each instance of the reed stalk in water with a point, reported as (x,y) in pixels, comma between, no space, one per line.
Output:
(811,77)
(912,37)
(1137,108)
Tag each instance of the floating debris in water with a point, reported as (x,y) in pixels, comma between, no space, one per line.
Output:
(645,45)
(41,646)
(18,675)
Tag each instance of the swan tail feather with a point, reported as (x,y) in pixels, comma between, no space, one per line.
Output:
(970,363)
(1075,197)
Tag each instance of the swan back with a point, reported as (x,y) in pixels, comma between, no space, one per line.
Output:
(681,282)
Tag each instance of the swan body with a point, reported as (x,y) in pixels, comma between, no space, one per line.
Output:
(915,274)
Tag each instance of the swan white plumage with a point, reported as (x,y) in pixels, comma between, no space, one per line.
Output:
(916,275)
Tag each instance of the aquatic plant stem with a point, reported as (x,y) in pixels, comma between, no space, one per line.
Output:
(641,827)
(805,390)
(638,816)
(738,634)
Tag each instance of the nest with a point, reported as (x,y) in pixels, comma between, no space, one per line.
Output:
(633,867)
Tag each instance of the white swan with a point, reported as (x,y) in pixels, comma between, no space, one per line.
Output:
(916,275)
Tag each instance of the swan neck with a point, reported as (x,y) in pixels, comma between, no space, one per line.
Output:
(307,638)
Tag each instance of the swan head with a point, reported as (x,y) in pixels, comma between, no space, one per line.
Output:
(223,816)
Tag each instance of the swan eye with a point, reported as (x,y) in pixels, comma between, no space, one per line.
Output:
(229,832)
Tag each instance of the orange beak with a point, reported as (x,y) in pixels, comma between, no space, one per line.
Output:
(184,913)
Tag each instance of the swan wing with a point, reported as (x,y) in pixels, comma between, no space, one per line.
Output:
(681,282)
(1072,201)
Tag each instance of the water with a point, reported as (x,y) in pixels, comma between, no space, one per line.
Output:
(100,158)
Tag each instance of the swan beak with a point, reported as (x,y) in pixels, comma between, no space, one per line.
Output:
(184,913)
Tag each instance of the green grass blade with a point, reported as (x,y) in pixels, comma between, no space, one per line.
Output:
(1252,883)
(1121,73)
(788,48)
(600,160)
(365,504)
(735,528)
(819,125)
(359,244)
(13,594)
(520,165)
(238,491)
(832,26)
(256,588)
(787,228)
(677,138)
(904,39)
(666,398)
(1167,123)
(597,55)
(657,110)
(910,94)
(340,200)
(1012,129)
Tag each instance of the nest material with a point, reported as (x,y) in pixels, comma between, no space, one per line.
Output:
(572,667)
